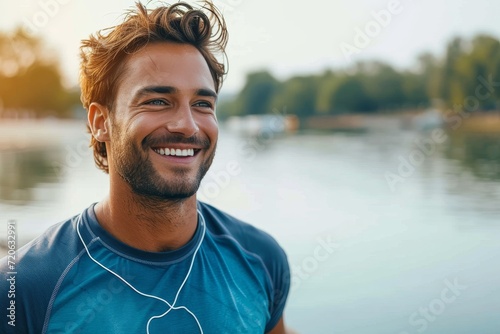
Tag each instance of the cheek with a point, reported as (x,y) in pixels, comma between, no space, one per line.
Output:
(210,127)
(140,127)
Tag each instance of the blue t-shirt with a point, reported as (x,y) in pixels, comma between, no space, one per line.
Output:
(238,283)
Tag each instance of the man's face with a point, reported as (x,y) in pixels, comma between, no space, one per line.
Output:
(163,124)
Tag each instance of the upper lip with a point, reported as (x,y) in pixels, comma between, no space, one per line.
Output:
(177,142)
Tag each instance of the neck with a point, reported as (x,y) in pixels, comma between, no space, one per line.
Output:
(149,224)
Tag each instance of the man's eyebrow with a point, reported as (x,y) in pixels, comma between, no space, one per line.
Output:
(172,90)
(206,92)
(155,89)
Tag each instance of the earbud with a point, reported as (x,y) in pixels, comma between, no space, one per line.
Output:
(98,135)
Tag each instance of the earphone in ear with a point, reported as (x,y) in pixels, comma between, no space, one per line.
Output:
(98,135)
(170,306)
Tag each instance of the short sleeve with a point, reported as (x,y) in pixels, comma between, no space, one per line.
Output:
(280,276)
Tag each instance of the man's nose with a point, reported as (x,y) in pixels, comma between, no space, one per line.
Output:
(182,122)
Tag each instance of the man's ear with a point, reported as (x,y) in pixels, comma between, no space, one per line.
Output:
(98,118)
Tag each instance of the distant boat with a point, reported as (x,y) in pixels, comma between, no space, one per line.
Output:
(428,120)
(263,125)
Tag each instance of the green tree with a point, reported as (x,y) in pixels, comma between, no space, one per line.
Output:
(257,94)
(429,67)
(384,85)
(450,83)
(467,65)
(484,60)
(298,96)
(327,85)
(30,79)
(375,86)
(351,96)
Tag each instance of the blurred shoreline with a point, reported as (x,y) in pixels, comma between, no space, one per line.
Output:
(29,133)
(422,120)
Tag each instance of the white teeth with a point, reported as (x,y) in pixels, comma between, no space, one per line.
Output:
(175,152)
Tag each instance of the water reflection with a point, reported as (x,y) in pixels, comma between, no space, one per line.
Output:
(480,153)
(21,172)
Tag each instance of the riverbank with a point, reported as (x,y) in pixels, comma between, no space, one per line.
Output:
(476,122)
(479,122)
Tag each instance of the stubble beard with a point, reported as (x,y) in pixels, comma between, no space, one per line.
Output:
(136,169)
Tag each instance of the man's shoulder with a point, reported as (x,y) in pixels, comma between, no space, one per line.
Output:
(250,238)
(34,273)
(260,246)
(45,254)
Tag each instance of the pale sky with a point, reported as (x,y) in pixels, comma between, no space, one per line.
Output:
(285,37)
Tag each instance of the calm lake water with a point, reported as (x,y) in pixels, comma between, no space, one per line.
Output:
(386,232)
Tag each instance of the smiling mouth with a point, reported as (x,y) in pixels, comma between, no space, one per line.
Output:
(176,152)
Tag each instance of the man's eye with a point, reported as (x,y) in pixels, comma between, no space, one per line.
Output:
(203,104)
(156,103)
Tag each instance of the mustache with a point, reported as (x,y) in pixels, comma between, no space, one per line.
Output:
(150,141)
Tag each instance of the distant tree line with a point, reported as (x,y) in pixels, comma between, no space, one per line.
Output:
(374,87)
(468,75)
(30,79)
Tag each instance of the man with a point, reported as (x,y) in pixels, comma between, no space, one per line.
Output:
(150,258)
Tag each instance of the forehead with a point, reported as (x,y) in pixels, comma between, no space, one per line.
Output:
(170,64)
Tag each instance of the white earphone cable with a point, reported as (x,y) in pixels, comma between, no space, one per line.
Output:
(171,306)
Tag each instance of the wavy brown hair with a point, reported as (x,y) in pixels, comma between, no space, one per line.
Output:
(103,54)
